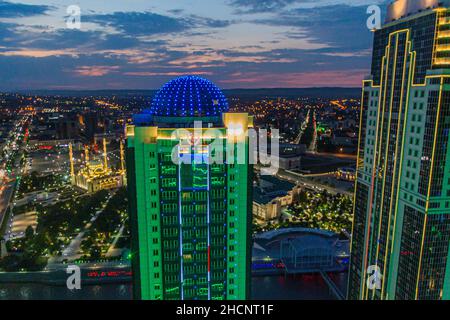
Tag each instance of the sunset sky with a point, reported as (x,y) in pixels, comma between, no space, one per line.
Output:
(140,44)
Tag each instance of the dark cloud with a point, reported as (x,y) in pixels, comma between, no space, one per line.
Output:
(6,32)
(130,26)
(176,11)
(148,23)
(61,39)
(73,39)
(15,10)
(340,26)
(199,22)
(139,23)
(260,6)
(117,41)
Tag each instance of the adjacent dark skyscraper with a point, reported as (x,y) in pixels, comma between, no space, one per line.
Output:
(402,199)
(191,220)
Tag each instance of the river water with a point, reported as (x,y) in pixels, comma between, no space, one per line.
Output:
(300,287)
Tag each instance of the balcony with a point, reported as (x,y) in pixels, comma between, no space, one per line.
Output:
(442,61)
(444,34)
(444,21)
(443,47)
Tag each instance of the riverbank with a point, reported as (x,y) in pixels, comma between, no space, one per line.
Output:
(92,274)
(299,287)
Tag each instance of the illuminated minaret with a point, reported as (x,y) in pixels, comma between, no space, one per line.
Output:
(72,166)
(401,227)
(122,157)
(105,155)
(86,156)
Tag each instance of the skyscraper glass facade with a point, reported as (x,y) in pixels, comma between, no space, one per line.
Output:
(402,206)
(191,217)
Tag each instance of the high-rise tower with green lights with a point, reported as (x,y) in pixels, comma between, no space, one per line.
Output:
(401,231)
(189,181)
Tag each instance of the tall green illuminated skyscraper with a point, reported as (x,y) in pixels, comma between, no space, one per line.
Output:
(402,199)
(189,183)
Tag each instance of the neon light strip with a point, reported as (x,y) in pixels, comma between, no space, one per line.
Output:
(436,36)
(180,217)
(368,214)
(410,80)
(433,155)
(431,179)
(208,219)
(380,117)
(394,74)
(356,181)
(395,164)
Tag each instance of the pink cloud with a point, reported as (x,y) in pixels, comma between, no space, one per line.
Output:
(171,74)
(336,78)
(95,71)
(31,53)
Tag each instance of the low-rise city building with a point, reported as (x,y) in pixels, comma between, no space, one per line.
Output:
(271,195)
(347,174)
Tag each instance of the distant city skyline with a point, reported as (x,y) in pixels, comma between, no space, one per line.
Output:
(140,44)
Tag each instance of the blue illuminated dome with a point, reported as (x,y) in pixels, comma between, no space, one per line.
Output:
(189,96)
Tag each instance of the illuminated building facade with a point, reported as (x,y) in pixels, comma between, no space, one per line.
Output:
(347,174)
(191,220)
(93,176)
(402,198)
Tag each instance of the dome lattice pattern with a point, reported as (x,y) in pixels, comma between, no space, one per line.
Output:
(189,96)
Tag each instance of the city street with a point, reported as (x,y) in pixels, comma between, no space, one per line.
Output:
(10,166)
(5,199)
(305,181)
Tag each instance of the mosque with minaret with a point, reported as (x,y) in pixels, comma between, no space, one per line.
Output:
(96,175)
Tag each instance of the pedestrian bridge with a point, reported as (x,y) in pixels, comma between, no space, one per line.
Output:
(294,251)
(300,250)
